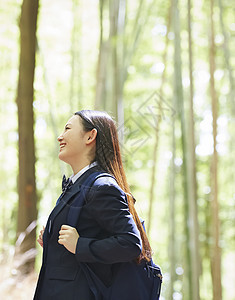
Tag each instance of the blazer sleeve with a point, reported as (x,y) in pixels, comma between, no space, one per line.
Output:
(110,210)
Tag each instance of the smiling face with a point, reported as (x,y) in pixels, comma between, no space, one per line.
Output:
(75,144)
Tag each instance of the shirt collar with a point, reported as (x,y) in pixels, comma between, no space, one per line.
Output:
(76,176)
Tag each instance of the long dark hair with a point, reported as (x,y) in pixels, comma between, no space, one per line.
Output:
(108,156)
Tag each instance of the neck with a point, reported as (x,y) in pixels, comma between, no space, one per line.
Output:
(79,166)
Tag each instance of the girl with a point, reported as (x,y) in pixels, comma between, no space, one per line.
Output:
(108,231)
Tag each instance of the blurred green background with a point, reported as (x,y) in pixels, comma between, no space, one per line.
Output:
(165,71)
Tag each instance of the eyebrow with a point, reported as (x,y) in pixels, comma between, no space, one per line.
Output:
(67,124)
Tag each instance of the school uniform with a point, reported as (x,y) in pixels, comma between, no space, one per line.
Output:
(108,236)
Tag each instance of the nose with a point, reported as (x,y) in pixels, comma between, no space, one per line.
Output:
(60,137)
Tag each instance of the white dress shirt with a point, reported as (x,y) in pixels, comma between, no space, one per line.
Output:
(76,176)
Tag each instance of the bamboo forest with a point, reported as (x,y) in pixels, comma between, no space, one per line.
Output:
(164,70)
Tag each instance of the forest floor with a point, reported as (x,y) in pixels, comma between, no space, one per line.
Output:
(13,287)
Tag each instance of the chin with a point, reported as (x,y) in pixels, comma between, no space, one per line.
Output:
(61,156)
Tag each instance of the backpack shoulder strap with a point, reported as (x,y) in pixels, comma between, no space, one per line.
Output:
(96,175)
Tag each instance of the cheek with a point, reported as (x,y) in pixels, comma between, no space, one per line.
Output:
(77,145)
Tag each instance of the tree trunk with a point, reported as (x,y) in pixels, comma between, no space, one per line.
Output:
(227,57)
(116,30)
(76,90)
(27,209)
(158,124)
(192,184)
(178,92)
(215,249)
(172,222)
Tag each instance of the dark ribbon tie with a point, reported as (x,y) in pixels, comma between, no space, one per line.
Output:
(66,184)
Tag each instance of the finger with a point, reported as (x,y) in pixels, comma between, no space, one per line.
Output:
(67,231)
(63,232)
(61,241)
(66,227)
(40,243)
(63,237)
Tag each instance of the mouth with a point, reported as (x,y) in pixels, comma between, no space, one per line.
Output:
(62,145)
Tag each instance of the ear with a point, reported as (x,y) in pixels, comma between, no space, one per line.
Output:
(91,136)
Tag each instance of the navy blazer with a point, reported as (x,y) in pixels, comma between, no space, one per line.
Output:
(108,236)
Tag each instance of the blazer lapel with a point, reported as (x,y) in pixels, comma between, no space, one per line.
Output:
(64,200)
(75,188)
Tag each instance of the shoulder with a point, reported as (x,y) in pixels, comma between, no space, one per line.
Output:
(107,185)
(106,182)
(104,179)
